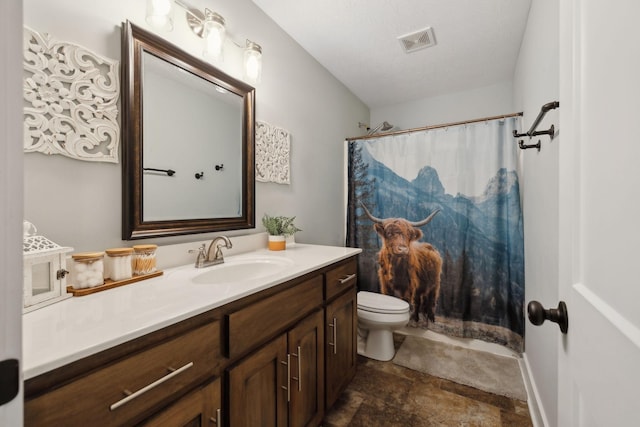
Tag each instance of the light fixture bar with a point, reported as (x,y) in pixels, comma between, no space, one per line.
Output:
(195,18)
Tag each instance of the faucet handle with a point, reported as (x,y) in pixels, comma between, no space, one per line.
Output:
(201,255)
(200,250)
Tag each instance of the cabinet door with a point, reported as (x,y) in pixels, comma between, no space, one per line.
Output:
(257,387)
(306,350)
(340,349)
(200,408)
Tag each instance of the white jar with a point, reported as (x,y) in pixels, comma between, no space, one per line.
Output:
(87,270)
(117,265)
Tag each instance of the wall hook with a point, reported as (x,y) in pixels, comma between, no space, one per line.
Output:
(524,146)
(220,167)
(199,175)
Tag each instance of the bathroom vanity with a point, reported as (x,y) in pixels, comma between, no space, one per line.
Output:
(200,346)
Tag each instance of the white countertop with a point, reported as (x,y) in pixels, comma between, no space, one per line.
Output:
(64,332)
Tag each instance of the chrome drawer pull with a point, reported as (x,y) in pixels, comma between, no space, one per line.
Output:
(346,278)
(146,388)
(299,377)
(334,344)
(218,419)
(288,386)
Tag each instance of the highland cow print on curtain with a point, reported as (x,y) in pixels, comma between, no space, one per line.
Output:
(437,214)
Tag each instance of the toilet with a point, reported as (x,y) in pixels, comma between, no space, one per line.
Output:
(378,316)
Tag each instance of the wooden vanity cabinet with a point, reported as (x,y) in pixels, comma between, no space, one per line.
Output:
(279,357)
(341,330)
(281,383)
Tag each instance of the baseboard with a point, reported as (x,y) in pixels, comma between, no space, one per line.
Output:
(536,410)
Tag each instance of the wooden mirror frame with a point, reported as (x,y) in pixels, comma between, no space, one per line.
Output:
(135,41)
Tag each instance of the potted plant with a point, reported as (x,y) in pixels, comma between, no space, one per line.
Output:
(279,228)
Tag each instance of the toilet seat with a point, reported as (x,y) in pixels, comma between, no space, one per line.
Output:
(378,303)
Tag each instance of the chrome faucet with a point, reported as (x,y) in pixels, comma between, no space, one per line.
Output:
(204,255)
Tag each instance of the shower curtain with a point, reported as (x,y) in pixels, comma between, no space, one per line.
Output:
(468,175)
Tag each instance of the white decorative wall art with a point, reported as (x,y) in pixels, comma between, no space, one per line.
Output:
(272,154)
(71,100)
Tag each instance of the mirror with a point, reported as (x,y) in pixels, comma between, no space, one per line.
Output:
(188,148)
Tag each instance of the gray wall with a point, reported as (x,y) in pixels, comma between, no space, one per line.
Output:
(536,82)
(486,101)
(78,204)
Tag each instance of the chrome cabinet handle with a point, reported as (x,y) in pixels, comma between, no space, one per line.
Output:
(299,377)
(143,390)
(347,278)
(288,386)
(334,344)
(218,419)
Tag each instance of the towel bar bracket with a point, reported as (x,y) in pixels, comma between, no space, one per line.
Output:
(524,146)
(169,172)
(551,132)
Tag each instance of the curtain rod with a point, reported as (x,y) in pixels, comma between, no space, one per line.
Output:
(399,132)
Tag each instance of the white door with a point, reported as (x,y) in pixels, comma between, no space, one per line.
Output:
(10,208)
(599,358)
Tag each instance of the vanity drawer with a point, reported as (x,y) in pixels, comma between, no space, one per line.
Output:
(340,278)
(252,325)
(126,391)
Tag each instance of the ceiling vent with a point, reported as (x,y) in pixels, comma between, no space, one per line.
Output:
(417,40)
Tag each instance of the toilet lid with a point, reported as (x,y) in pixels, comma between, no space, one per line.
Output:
(379,303)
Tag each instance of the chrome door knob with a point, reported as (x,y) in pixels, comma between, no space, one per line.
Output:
(538,314)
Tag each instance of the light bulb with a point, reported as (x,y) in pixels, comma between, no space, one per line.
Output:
(214,35)
(253,66)
(253,62)
(159,14)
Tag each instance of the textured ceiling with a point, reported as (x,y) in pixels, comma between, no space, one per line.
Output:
(477,43)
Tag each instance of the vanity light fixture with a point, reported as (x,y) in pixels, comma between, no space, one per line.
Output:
(209,26)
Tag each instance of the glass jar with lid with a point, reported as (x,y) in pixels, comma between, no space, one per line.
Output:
(118,264)
(144,259)
(87,270)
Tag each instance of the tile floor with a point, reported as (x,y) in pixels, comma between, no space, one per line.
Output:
(385,394)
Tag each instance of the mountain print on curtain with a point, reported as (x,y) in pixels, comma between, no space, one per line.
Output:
(468,172)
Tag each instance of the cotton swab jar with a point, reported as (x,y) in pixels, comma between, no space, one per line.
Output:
(144,259)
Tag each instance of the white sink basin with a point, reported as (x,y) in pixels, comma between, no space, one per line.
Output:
(240,270)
